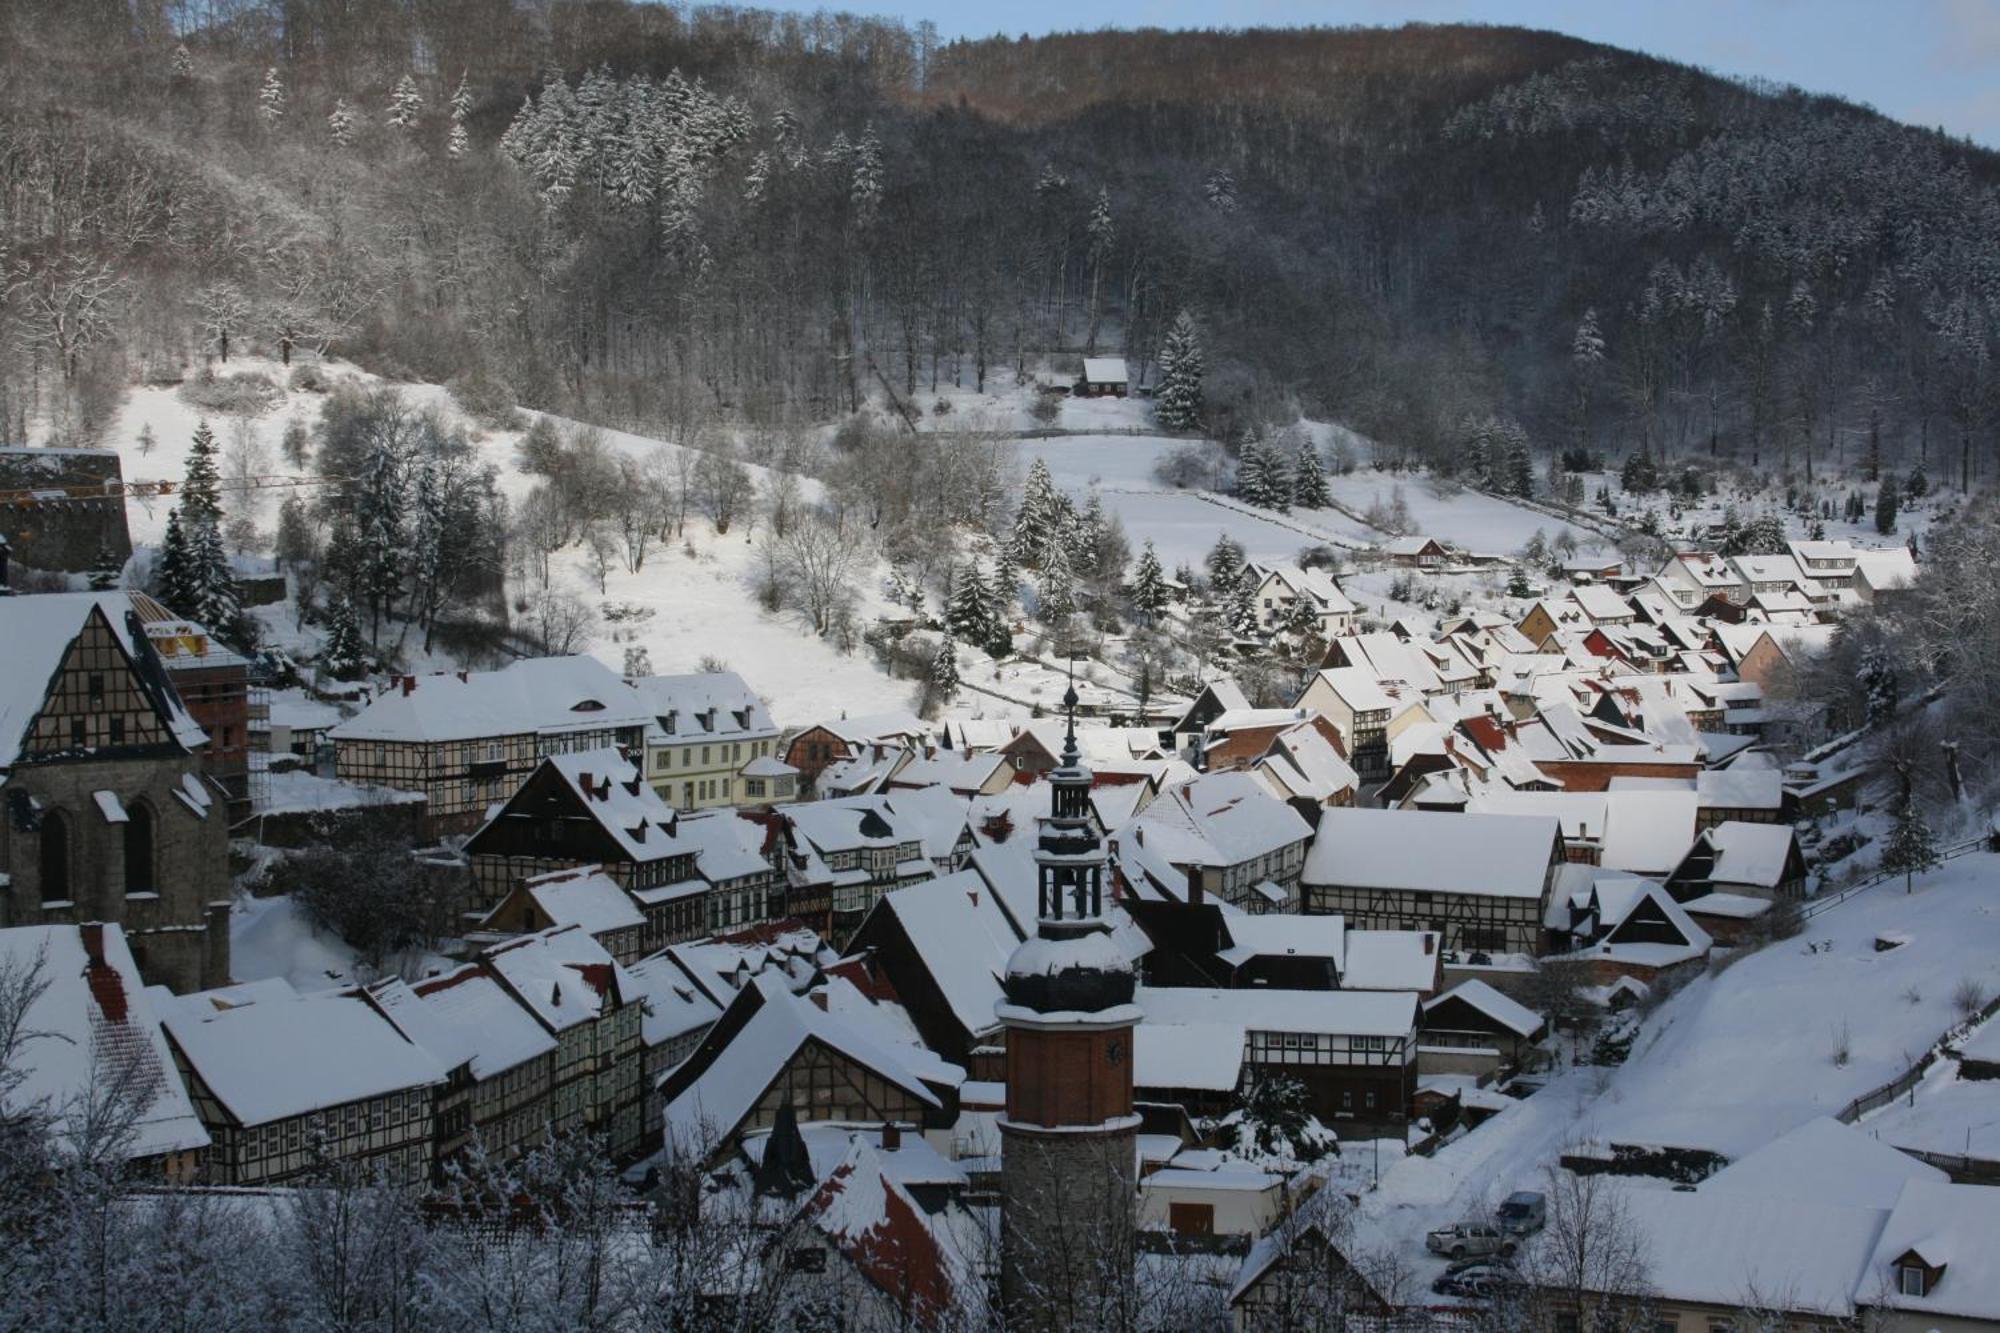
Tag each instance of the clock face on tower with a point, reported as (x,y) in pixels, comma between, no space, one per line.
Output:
(1115,1052)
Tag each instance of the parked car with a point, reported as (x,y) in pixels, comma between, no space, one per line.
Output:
(1524,1213)
(1480,1280)
(1468,1240)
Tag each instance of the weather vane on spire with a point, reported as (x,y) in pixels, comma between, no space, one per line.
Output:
(1069,755)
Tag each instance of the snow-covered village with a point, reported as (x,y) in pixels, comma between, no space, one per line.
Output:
(676,668)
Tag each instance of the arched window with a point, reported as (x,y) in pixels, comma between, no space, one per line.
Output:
(55,857)
(139,849)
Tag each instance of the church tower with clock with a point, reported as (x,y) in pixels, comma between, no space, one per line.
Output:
(1068,1174)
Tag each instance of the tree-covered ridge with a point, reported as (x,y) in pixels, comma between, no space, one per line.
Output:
(653,217)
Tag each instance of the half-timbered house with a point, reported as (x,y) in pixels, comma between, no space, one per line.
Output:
(286,1085)
(1481,881)
(466,740)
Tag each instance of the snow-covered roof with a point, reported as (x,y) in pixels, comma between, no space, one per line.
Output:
(611,790)
(1207,1057)
(1826,1163)
(562,975)
(1506,856)
(496,1030)
(1303,764)
(703,706)
(1746,1252)
(964,935)
(585,897)
(1750,853)
(277,1059)
(1510,1014)
(1358,688)
(1269,1009)
(38,631)
(1601,603)
(1104,369)
(1284,935)
(1390,960)
(888,728)
(674,1005)
(539,695)
(723,1091)
(1952,1226)
(1221,819)
(94,1021)
(1890,567)
(1741,788)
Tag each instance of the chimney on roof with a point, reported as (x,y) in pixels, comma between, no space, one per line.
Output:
(1430,944)
(555,994)
(892,1136)
(818,997)
(583,780)
(92,933)
(409,685)
(1194,894)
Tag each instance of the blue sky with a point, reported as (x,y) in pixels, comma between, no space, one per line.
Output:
(1931,62)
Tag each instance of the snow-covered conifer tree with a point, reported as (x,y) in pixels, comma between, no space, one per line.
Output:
(213,599)
(944,668)
(1309,489)
(183,66)
(1911,847)
(406,104)
(170,576)
(1149,585)
(459,142)
(1056,589)
(201,490)
(969,614)
(1036,521)
(1225,565)
(345,656)
(1180,405)
(271,99)
(342,124)
(106,569)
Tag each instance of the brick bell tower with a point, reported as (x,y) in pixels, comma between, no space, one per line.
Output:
(1068,1171)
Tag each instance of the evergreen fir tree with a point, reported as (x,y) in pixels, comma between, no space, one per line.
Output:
(1879,685)
(969,613)
(1309,489)
(271,100)
(1225,564)
(1149,585)
(1518,585)
(201,492)
(183,66)
(106,570)
(1887,501)
(1912,847)
(212,582)
(405,104)
(1302,622)
(1919,484)
(1243,620)
(1180,405)
(342,124)
(1056,592)
(1035,521)
(461,106)
(171,583)
(1641,475)
(344,656)
(944,669)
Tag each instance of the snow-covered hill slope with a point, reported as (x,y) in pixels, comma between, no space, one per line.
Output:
(694,600)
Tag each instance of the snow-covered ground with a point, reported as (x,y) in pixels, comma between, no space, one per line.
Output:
(693,599)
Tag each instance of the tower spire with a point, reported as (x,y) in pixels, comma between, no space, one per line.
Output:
(1070,756)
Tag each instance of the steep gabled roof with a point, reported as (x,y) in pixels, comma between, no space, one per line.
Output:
(39,631)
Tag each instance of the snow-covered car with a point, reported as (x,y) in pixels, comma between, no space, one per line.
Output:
(1524,1213)
(1478,1280)
(1468,1240)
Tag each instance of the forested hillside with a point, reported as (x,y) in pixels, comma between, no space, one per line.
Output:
(662,218)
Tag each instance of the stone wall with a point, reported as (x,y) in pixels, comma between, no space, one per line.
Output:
(176,937)
(63,535)
(1066,1229)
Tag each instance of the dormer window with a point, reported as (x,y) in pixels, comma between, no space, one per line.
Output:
(587,706)
(1918,1272)
(670,722)
(1911,1280)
